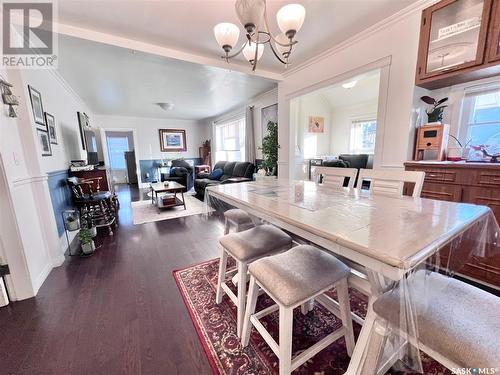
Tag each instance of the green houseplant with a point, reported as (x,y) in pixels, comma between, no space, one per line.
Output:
(88,245)
(269,149)
(435,114)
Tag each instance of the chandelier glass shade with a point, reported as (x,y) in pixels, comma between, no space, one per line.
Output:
(252,15)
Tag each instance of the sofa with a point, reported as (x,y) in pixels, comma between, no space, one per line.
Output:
(232,172)
(180,171)
(358,161)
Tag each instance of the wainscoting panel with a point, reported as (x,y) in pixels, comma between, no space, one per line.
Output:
(60,196)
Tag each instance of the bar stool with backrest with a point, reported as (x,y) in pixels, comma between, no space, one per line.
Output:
(389,182)
(291,279)
(237,218)
(457,323)
(335,177)
(245,247)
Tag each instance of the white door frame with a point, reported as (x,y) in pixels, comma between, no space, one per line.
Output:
(104,143)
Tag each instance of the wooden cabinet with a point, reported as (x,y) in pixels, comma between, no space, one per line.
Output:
(100,174)
(459,42)
(477,183)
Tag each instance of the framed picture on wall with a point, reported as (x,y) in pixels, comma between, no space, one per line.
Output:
(43,138)
(83,123)
(316,124)
(269,113)
(51,127)
(172,140)
(37,107)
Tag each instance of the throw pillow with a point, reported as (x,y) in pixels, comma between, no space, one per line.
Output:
(216,174)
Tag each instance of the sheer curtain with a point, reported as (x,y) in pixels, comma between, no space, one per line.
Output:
(249,135)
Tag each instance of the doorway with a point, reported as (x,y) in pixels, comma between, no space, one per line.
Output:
(121,156)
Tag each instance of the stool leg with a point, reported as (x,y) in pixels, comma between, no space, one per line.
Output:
(242,294)
(253,294)
(285,340)
(222,275)
(226,226)
(345,313)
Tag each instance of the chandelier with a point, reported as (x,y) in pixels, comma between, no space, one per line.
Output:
(253,17)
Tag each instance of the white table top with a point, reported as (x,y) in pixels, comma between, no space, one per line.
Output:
(400,232)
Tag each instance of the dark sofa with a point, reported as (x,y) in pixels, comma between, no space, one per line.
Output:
(180,172)
(233,172)
(358,161)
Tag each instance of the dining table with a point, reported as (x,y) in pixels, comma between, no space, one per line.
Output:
(384,238)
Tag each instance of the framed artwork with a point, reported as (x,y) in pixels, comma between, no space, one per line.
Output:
(316,124)
(172,140)
(43,138)
(37,107)
(51,127)
(269,113)
(83,123)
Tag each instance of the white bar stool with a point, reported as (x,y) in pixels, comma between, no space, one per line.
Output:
(237,218)
(291,279)
(246,247)
(458,324)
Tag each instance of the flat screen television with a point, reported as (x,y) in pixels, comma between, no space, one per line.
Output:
(91,143)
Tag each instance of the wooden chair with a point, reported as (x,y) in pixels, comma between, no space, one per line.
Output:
(335,177)
(391,182)
(291,279)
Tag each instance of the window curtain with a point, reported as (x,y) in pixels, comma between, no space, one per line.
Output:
(249,135)
(213,143)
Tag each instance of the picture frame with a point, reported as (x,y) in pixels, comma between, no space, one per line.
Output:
(83,123)
(172,140)
(43,138)
(316,124)
(37,108)
(51,128)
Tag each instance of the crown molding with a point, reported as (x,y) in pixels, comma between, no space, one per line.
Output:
(375,28)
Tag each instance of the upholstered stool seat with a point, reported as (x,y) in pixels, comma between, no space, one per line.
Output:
(298,274)
(245,247)
(292,279)
(455,320)
(240,219)
(255,242)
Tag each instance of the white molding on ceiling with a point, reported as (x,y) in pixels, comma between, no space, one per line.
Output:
(136,45)
(70,89)
(417,6)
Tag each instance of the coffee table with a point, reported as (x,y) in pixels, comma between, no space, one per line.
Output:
(167,187)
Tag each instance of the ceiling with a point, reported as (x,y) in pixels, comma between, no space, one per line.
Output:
(119,81)
(365,90)
(187,25)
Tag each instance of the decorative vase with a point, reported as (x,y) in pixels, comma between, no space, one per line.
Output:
(88,248)
(72,225)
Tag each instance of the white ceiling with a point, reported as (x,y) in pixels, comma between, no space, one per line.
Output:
(187,25)
(366,90)
(119,81)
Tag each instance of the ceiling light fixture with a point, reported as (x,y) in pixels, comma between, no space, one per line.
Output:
(349,85)
(166,106)
(253,17)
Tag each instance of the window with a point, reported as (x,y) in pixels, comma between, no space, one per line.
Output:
(481,119)
(230,140)
(116,149)
(363,134)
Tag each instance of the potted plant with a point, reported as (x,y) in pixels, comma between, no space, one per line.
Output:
(458,153)
(72,223)
(88,245)
(435,114)
(269,149)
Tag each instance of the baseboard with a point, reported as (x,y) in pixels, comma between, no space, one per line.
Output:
(42,277)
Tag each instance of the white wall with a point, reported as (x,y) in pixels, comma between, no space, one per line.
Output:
(148,138)
(394,40)
(342,118)
(261,101)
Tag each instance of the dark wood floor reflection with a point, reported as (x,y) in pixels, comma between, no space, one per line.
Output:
(117,312)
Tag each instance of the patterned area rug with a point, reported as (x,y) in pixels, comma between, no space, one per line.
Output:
(216,327)
(145,212)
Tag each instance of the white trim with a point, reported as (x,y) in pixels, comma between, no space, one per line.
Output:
(41,277)
(28,180)
(417,6)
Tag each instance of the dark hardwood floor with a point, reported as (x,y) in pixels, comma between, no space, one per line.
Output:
(117,312)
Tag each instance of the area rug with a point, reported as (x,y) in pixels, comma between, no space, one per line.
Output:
(216,328)
(146,212)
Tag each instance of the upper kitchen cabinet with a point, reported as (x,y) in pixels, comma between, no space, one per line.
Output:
(494,35)
(455,39)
